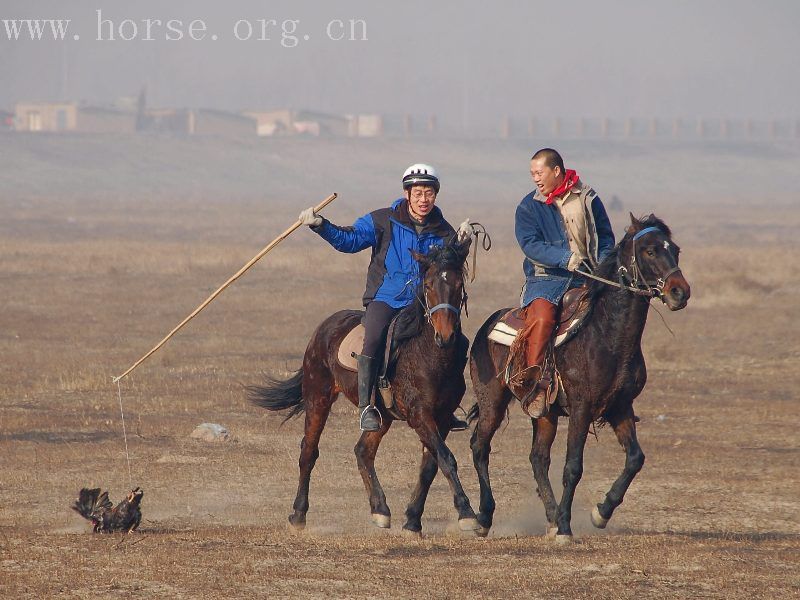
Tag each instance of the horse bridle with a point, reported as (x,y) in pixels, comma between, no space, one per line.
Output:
(634,275)
(429,310)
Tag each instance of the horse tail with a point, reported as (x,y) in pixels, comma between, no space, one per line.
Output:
(279,395)
(481,365)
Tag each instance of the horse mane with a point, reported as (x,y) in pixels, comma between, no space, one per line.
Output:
(411,319)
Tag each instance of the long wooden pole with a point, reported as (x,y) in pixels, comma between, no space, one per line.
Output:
(238,274)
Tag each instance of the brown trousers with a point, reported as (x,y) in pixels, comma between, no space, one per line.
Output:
(540,321)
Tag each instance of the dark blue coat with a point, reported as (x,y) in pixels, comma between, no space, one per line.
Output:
(543,239)
(393,275)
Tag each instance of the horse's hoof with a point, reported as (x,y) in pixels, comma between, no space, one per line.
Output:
(482,531)
(598,520)
(564,539)
(411,533)
(469,524)
(297,523)
(382,521)
(551,532)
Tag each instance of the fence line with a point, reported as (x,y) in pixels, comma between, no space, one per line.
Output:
(649,127)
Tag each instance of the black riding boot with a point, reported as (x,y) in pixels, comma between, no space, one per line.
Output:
(370,419)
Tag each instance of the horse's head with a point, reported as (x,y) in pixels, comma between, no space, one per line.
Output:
(443,293)
(649,259)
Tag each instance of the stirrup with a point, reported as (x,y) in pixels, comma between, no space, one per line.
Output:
(364,412)
(531,399)
(544,388)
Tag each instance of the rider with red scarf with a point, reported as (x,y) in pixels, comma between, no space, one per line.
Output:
(560,226)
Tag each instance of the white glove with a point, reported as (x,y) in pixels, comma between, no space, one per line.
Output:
(464,231)
(574,262)
(309,217)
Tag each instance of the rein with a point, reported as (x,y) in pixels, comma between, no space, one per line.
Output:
(486,243)
(636,290)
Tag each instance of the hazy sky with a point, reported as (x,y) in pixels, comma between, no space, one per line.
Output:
(467,62)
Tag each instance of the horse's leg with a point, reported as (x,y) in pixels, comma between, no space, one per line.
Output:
(366,449)
(578,429)
(428,433)
(493,401)
(544,432)
(427,473)
(625,427)
(318,407)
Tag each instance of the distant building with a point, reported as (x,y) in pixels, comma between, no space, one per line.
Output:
(272,122)
(71,117)
(190,121)
(304,122)
(96,119)
(222,123)
(164,120)
(327,124)
(129,115)
(45,116)
(366,126)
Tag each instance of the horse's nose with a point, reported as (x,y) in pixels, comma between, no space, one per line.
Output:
(677,293)
(440,340)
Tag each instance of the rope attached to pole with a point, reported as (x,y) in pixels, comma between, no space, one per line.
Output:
(124,434)
(238,274)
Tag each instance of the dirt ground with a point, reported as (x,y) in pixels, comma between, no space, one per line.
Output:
(93,278)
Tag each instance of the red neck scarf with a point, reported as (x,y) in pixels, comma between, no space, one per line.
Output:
(570,179)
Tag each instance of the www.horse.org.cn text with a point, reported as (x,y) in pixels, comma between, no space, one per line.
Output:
(288,33)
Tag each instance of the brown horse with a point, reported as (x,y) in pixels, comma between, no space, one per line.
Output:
(427,382)
(602,370)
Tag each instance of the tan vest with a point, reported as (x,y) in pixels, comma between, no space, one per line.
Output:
(572,212)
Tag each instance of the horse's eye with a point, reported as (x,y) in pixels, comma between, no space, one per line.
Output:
(650,253)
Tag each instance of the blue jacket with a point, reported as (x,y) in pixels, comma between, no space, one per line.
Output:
(393,275)
(543,239)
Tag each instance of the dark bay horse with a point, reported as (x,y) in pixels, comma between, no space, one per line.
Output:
(602,370)
(427,383)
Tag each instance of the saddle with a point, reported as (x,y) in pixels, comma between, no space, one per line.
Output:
(573,312)
(351,346)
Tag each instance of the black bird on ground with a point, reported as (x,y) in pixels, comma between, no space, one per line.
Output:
(106,517)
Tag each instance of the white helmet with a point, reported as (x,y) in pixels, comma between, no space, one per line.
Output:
(420,174)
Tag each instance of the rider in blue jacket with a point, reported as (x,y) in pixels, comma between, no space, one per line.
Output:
(411,223)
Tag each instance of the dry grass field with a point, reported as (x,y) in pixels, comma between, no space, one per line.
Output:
(106,244)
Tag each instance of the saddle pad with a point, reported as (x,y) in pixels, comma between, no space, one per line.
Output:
(353,342)
(503,334)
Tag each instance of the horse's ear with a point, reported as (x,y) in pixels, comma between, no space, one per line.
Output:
(462,248)
(423,260)
(635,224)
